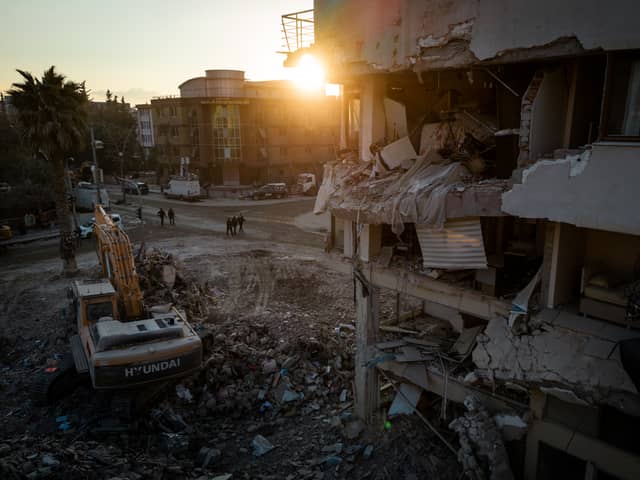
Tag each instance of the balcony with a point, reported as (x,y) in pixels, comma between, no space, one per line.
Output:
(297,30)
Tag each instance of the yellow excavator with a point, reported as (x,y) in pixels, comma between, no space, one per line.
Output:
(120,343)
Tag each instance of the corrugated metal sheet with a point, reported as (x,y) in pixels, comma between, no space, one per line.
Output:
(457,246)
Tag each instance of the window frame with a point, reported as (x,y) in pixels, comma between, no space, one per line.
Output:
(605,110)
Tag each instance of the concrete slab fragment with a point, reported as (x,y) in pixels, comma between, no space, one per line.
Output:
(397,152)
(406,400)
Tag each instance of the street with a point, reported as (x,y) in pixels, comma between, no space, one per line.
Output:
(288,220)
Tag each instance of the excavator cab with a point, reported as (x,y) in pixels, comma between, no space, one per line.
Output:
(118,343)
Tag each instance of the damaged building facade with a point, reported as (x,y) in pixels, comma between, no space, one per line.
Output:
(238,132)
(489,155)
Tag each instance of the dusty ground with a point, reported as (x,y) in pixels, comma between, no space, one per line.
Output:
(274,305)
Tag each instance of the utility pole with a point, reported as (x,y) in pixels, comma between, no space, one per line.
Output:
(122,180)
(121,155)
(96,176)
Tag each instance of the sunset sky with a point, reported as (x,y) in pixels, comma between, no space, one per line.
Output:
(142,48)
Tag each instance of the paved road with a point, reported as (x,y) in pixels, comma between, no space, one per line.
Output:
(281,221)
(269,220)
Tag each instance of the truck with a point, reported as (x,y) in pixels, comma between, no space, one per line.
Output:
(86,196)
(185,187)
(307,184)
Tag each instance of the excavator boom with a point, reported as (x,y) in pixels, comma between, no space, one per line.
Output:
(118,265)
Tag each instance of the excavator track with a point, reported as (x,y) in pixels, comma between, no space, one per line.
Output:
(50,384)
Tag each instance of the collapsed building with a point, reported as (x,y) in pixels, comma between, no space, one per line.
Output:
(489,152)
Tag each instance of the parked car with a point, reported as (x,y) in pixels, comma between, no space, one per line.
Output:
(130,188)
(5,187)
(86,229)
(270,190)
(5,232)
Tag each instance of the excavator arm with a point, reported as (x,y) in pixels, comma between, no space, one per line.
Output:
(118,265)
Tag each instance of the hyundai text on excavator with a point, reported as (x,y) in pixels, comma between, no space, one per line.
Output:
(120,343)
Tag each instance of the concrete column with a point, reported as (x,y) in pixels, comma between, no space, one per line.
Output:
(348,238)
(372,118)
(370,242)
(344,119)
(367,322)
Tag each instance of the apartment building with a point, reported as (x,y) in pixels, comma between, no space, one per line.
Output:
(488,160)
(145,128)
(237,132)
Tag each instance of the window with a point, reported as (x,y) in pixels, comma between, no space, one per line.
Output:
(96,311)
(174,131)
(621,116)
(283,152)
(173,111)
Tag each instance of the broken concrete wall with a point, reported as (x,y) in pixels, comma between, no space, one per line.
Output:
(505,25)
(383,35)
(526,110)
(593,191)
(553,355)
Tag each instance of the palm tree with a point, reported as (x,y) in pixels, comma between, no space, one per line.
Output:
(52,114)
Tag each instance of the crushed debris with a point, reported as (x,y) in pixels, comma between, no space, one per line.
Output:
(481,443)
(280,367)
(163,279)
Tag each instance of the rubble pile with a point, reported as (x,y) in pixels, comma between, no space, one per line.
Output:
(481,445)
(249,368)
(163,280)
(274,399)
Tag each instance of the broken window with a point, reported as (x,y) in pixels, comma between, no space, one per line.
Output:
(622,97)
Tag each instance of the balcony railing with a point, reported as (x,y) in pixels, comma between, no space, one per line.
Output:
(297,30)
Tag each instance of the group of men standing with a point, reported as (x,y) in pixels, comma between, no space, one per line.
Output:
(171,214)
(234,225)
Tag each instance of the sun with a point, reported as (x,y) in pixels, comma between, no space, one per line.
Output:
(308,74)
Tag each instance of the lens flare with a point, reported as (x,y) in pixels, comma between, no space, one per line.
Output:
(309,74)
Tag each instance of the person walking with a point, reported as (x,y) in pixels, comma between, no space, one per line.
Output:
(172,216)
(241,222)
(161,214)
(234,224)
(229,232)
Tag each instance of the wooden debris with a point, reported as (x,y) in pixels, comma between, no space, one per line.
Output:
(465,342)
(390,344)
(410,354)
(392,329)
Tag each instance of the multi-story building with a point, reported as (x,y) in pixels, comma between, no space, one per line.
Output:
(237,132)
(492,177)
(145,128)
